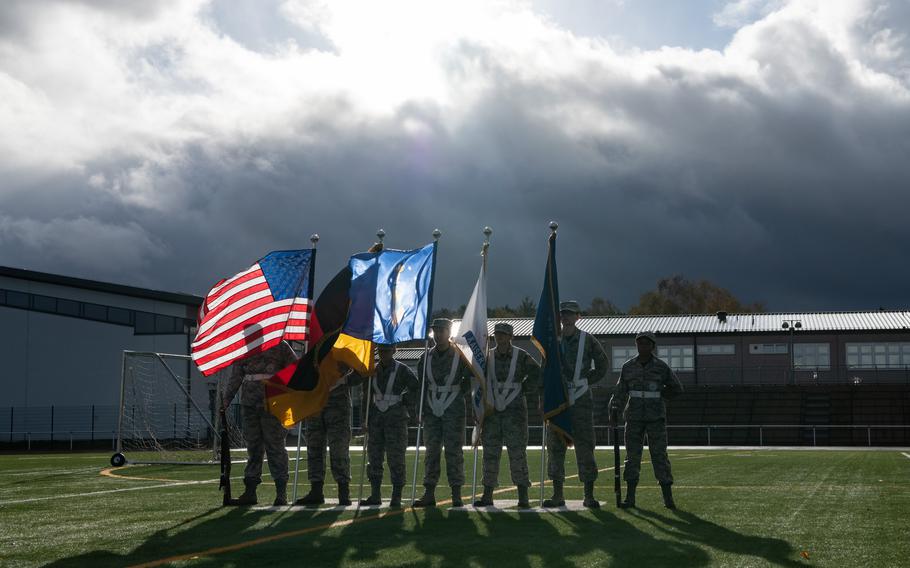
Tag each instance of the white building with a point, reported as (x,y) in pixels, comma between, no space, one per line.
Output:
(62,340)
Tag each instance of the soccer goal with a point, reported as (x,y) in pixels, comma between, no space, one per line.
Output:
(169,412)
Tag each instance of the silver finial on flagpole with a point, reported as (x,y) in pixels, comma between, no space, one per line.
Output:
(436,234)
(553,226)
(487,231)
(314,238)
(380,234)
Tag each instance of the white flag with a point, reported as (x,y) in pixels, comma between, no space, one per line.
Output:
(472,340)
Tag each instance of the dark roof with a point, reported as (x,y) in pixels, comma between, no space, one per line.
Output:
(120,289)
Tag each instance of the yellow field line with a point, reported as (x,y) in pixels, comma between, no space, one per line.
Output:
(109,472)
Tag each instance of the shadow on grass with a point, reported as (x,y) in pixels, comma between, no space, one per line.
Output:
(441,537)
(689,527)
(208,530)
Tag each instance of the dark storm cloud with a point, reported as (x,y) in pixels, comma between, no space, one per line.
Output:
(777,169)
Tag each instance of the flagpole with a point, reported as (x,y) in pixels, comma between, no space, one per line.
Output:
(314,238)
(423,383)
(543,455)
(543,441)
(479,440)
(380,234)
(366,433)
(487,231)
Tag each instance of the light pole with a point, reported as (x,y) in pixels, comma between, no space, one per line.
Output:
(792,325)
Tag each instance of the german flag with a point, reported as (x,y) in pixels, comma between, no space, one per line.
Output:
(302,389)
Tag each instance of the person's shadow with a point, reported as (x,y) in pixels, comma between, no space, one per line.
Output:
(208,531)
(445,537)
(691,527)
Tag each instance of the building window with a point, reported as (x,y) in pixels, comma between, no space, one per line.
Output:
(165,324)
(145,323)
(878,355)
(44,304)
(768,348)
(623,354)
(17,299)
(679,357)
(719,349)
(95,312)
(812,356)
(118,316)
(67,307)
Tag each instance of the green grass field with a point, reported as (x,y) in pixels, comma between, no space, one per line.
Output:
(736,508)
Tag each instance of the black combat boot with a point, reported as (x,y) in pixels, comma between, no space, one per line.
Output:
(590,502)
(344,494)
(314,497)
(629,503)
(375,497)
(396,496)
(281,493)
(429,497)
(523,502)
(557,500)
(667,490)
(248,497)
(487,499)
(456,496)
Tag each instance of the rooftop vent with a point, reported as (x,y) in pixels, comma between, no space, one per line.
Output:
(722,317)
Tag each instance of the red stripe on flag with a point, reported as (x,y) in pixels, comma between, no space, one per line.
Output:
(202,356)
(235,305)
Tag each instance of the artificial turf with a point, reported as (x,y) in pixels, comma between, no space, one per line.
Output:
(736,508)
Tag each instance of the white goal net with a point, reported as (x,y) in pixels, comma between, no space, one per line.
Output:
(169,412)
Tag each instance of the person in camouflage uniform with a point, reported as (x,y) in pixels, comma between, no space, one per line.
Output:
(511,374)
(332,426)
(584,363)
(387,426)
(448,381)
(644,382)
(263,432)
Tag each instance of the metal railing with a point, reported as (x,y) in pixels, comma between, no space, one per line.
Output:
(805,435)
(59,436)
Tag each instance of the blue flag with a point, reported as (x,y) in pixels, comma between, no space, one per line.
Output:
(391,292)
(545,337)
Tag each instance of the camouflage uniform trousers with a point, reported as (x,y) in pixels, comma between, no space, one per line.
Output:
(388,434)
(448,431)
(657,446)
(510,428)
(332,426)
(264,434)
(583,436)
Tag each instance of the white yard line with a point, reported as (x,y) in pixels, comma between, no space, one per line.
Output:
(49,472)
(107,491)
(905,454)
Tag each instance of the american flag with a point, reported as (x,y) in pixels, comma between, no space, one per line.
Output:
(255,310)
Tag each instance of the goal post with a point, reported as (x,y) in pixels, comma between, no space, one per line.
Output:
(168,412)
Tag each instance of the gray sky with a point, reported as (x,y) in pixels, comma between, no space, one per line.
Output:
(760,144)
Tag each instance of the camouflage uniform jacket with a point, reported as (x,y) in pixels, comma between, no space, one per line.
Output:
(441,365)
(405,386)
(341,391)
(593,352)
(527,376)
(646,385)
(259,365)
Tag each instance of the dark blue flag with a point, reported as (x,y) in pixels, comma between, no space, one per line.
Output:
(545,337)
